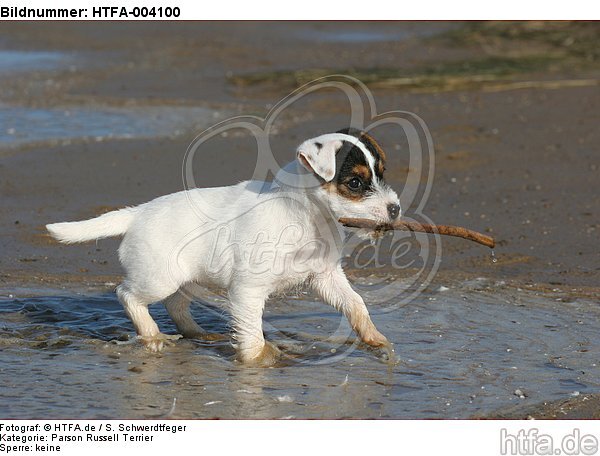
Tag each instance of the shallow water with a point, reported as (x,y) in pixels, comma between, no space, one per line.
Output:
(12,61)
(21,125)
(463,352)
(366,34)
(24,124)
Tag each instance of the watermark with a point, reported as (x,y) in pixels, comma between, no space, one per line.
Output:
(249,237)
(533,442)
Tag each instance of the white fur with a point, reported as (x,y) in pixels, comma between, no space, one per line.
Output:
(115,223)
(252,239)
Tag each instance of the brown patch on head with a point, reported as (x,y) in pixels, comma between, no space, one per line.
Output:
(368,140)
(362,171)
(342,190)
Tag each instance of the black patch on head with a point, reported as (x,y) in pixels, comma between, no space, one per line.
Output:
(379,160)
(319,145)
(352,164)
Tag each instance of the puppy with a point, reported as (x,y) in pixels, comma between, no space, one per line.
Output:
(252,239)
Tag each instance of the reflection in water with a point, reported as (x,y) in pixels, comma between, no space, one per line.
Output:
(464,351)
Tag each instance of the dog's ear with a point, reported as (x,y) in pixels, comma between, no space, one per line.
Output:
(318,156)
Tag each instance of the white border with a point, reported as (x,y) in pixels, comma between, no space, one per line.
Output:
(347,10)
(290,438)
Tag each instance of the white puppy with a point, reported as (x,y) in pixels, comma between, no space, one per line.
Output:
(252,239)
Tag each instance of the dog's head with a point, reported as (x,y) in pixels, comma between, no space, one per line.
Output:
(350,164)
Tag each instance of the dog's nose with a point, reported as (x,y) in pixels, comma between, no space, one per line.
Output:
(393,210)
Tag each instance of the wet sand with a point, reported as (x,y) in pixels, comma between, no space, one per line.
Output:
(521,165)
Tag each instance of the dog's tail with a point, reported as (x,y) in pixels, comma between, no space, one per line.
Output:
(115,223)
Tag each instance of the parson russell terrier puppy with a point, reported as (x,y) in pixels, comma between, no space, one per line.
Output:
(252,239)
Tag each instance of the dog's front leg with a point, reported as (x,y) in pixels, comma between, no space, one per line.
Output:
(334,289)
(247,305)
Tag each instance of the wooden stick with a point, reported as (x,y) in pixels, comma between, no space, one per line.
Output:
(401,225)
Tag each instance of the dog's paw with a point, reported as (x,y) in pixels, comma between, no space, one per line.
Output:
(369,334)
(268,356)
(374,338)
(157,343)
(379,342)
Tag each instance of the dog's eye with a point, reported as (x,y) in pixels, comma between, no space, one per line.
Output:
(355,184)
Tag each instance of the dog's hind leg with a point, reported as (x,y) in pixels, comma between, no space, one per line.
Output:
(136,309)
(178,308)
